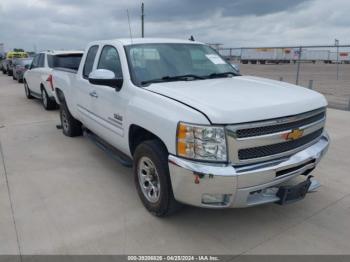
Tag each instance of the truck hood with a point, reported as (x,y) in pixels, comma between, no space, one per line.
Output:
(242,98)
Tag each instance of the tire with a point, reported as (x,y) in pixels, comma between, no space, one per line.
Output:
(27,91)
(13,77)
(152,156)
(47,102)
(70,126)
(9,73)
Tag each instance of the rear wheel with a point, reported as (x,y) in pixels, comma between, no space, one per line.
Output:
(48,103)
(70,126)
(27,91)
(152,178)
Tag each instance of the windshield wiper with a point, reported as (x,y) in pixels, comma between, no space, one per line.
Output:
(187,77)
(224,74)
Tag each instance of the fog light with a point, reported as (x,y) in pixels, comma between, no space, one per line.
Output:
(215,199)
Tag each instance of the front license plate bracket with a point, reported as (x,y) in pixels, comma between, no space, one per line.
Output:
(291,194)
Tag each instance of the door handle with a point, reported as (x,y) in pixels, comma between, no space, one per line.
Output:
(93,94)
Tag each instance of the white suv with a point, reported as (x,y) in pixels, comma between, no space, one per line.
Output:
(38,79)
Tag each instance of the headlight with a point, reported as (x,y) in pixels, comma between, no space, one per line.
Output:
(201,142)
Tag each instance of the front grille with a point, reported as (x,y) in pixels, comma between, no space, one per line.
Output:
(264,130)
(274,149)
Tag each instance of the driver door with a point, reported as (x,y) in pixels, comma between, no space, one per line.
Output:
(109,105)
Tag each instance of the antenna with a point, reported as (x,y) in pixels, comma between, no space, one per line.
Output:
(143,20)
(127,12)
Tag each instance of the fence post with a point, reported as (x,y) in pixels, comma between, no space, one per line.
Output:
(281,78)
(311,83)
(298,67)
(349,104)
(336,43)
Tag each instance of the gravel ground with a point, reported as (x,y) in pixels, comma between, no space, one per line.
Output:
(324,78)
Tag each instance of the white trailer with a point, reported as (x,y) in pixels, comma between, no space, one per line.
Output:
(315,55)
(266,55)
(341,57)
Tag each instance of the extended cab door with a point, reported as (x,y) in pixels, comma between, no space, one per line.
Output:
(84,89)
(109,105)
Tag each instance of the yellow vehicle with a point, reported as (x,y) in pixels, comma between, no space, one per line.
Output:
(13,54)
(7,65)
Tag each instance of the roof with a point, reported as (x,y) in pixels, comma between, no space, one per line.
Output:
(61,52)
(129,41)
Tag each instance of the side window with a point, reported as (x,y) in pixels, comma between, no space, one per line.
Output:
(109,59)
(35,62)
(89,61)
(41,60)
(50,61)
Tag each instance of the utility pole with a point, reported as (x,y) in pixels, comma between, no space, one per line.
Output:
(143,20)
(336,43)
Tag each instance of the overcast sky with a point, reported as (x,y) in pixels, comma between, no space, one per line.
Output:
(70,24)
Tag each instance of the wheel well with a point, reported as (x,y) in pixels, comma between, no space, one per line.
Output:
(60,95)
(42,86)
(137,135)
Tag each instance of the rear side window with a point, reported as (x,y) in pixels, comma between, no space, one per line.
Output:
(35,61)
(109,59)
(70,61)
(89,61)
(50,61)
(41,60)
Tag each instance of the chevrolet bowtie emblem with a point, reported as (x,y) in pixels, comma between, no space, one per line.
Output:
(295,134)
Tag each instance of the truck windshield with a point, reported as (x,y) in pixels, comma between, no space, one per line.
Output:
(154,63)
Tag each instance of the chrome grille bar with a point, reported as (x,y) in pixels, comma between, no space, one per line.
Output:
(310,125)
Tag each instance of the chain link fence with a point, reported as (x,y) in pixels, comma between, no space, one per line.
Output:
(325,69)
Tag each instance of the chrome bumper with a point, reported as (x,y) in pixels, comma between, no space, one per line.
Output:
(242,186)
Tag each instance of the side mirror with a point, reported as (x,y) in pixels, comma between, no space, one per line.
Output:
(27,66)
(105,77)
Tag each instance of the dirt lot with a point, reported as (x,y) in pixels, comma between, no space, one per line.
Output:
(61,195)
(324,78)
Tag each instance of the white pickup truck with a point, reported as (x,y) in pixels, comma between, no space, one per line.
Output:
(195,131)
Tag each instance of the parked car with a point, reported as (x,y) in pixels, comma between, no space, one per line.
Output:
(194,130)
(38,80)
(20,65)
(2,65)
(8,63)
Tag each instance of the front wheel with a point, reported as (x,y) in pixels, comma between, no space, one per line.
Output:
(152,178)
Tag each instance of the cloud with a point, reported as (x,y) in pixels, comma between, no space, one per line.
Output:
(189,9)
(68,24)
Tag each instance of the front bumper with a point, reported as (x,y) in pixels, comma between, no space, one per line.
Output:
(242,186)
